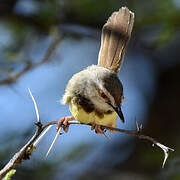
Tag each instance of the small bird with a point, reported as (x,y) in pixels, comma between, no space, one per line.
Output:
(95,94)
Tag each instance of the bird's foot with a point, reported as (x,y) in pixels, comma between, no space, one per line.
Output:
(64,121)
(98,128)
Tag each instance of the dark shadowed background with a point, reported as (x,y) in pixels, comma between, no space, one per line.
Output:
(44,42)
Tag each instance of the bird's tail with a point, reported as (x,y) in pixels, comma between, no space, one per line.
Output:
(115,35)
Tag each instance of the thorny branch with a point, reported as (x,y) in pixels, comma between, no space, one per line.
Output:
(136,133)
(25,152)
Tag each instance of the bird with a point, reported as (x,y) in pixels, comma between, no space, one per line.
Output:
(95,94)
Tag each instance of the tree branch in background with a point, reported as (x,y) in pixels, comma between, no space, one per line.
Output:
(29,65)
(26,151)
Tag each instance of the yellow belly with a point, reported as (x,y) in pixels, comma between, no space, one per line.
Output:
(90,118)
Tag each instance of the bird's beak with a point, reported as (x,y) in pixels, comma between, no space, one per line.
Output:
(118,111)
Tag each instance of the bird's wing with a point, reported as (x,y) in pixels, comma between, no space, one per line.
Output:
(115,35)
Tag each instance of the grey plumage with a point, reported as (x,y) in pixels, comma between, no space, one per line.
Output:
(84,88)
(115,36)
(95,94)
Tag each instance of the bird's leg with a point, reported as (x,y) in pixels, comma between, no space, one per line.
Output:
(98,128)
(64,121)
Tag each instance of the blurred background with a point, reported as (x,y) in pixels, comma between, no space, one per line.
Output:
(44,42)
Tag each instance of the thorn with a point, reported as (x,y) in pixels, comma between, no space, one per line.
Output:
(108,137)
(42,136)
(35,105)
(141,127)
(137,127)
(166,152)
(57,135)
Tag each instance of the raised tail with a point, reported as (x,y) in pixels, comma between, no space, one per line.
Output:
(115,36)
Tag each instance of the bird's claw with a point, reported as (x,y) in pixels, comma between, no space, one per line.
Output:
(98,128)
(63,122)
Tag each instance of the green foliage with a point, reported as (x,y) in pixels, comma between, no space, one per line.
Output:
(90,11)
(9,174)
(166,35)
(163,13)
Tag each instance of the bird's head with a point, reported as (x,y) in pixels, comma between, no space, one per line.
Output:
(105,90)
(96,87)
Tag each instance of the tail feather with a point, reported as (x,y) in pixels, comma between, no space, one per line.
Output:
(115,35)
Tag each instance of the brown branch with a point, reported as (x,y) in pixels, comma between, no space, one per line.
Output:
(29,65)
(137,133)
(25,152)
(20,155)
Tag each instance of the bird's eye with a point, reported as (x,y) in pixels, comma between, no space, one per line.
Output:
(102,94)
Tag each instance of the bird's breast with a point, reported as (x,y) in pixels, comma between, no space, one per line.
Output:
(106,119)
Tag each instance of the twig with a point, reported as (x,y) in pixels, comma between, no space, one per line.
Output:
(20,155)
(25,152)
(136,133)
(12,78)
